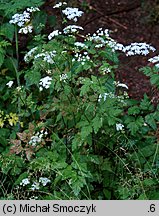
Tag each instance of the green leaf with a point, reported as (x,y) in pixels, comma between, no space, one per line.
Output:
(106,165)
(52,21)
(10,7)
(135,125)
(134,110)
(20,178)
(2,55)
(97,123)
(7,30)
(149,182)
(149,150)
(85,131)
(78,184)
(39,21)
(107,194)
(151,121)
(32,77)
(76,142)
(154,79)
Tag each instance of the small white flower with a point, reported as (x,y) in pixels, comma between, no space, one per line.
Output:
(32,9)
(102,96)
(119,127)
(44,181)
(25,182)
(63,77)
(45,82)
(35,186)
(19,88)
(121,85)
(9,84)
(58,5)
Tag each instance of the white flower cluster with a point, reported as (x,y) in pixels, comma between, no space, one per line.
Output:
(26,29)
(155,60)
(30,54)
(119,127)
(25,182)
(53,34)
(20,19)
(138,49)
(32,9)
(118,84)
(103,96)
(47,56)
(80,44)
(72,13)
(72,29)
(102,38)
(98,37)
(81,57)
(23,19)
(35,186)
(9,84)
(120,98)
(63,77)
(37,138)
(44,181)
(60,4)
(45,83)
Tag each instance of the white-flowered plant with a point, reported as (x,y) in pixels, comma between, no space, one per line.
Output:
(155,60)
(45,83)
(138,49)
(63,77)
(72,13)
(44,181)
(47,56)
(30,54)
(24,20)
(60,4)
(33,9)
(25,182)
(35,186)
(81,57)
(72,29)
(119,127)
(81,45)
(118,84)
(54,34)
(37,138)
(9,84)
(102,96)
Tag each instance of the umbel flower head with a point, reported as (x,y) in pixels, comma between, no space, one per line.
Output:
(72,13)
(24,20)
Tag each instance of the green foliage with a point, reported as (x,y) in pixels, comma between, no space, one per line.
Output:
(8,7)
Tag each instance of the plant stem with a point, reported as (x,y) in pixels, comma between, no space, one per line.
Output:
(16,44)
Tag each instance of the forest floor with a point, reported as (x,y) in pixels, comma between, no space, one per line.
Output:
(129,21)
